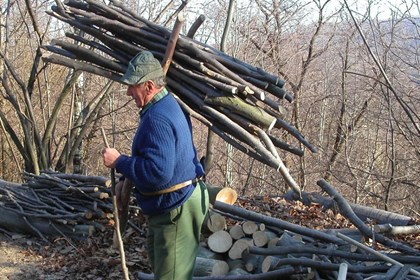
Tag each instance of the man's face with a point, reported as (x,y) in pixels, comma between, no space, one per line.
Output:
(139,94)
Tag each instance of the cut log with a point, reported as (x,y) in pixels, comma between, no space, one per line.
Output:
(270,234)
(210,267)
(223,194)
(286,239)
(99,180)
(214,222)
(348,212)
(249,227)
(260,238)
(252,262)
(238,247)
(194,27)
(100,195)
(269,263)
(238,106)
(342,272)
(236,232)
(273,242)
(220,241)
(42,226)
(363,212)
(170,49)
(396,230)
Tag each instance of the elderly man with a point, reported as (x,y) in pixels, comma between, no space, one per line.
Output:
(165,171)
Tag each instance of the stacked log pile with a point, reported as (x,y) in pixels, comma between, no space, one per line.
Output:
(251,245)
(56,204)
(236,100)
(248,242)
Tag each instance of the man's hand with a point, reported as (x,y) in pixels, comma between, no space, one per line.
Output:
(110,157)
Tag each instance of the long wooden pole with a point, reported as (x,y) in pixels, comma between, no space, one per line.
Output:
(170,49)
(117,220)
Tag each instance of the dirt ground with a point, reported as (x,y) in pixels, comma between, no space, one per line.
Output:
(16,261)
(24,257)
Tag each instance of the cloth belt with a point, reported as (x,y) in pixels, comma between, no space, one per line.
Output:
(174,187)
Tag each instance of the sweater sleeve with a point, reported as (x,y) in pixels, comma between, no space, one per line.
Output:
(152,164)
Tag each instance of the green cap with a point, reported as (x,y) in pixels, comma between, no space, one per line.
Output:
(141,68)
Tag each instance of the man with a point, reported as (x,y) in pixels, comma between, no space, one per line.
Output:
(165,171)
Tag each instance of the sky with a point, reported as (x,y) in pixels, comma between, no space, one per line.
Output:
(383,9)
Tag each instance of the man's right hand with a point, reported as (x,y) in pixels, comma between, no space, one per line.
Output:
(110,157)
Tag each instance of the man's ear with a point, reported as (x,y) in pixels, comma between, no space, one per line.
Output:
(150,85)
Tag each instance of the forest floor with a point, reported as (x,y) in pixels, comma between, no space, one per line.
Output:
(27,257)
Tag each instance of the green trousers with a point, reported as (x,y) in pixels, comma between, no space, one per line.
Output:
(173,237)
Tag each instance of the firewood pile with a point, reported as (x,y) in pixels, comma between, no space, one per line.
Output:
(56,204)
(236,100)
(257,238)
(243,244)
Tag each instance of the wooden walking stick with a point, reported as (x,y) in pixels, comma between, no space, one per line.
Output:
(117,230)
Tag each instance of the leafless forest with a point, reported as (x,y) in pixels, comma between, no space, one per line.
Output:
(353,72)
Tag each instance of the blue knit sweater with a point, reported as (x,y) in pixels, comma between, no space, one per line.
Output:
(163,155)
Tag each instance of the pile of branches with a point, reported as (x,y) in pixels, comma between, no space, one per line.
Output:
(236,100)
(258,246)
(56,204)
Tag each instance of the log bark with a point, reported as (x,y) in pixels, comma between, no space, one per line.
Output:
(194,27)
(208,254)
(16,222)
(238,271)
(210,267)
(238,106)
(252,262)
(346,210)
(330,252)
(170,49)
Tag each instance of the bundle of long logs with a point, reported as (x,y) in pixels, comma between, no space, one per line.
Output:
(55,204)
(234,99)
